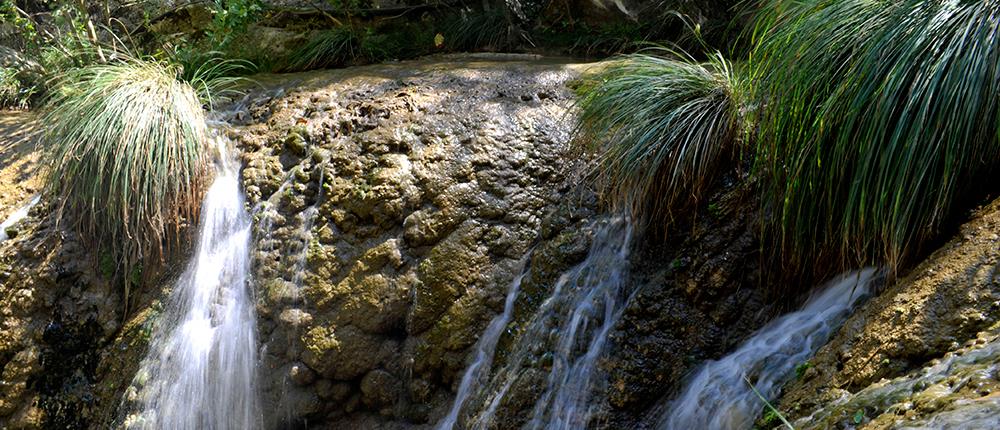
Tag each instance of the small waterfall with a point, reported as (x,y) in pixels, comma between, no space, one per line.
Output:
(718,395)
(268,210)
(306,219)
(485,349)
(954,384)
(564,338)
(201,367)
(17,216)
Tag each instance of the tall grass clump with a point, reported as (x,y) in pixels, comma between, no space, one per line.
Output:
(338,46)
(664,127)
(125,143)
(212,75)
(875,116)
(473,30)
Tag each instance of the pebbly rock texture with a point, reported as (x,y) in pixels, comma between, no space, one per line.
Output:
(57,312)
(57,308)
(391,204)
(957,390)
(937,308)
(702,294)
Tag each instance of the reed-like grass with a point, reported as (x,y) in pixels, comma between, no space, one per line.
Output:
(338,46)
(875,116)
(213,75)
(490,30)
(664,126)
(125,143)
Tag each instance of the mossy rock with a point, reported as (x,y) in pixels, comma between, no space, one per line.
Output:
(455,265)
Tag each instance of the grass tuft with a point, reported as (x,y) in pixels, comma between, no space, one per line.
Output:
(125,142)
(214,76)
(489,30)
(664,127)
(874,115)
(334,47)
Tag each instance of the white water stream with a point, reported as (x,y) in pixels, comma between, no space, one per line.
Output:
(201,369)
(485,349)
(17,216)
(718,395)
(573,322)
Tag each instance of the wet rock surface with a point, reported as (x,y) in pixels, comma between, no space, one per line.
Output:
(57,312)
(693,298)
(933,312)
(58,309)
(957,390)
(702,294)
(391,203)
(391,207)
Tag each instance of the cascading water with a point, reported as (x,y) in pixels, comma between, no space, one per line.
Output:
(201,368)
(952,392)
(294,255)
(485,349)
(718,395)
(17,216)
(576,319)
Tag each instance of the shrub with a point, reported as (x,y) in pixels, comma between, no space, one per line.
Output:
(14,93)
(126,145)
(663,127)
(873,114)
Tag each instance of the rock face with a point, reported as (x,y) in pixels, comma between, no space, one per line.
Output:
(702,294)
(57,307)
(931,315)
(56,314)
(391,204)
(391,207)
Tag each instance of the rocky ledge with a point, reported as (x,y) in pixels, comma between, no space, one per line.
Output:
(391,205)
(920,355)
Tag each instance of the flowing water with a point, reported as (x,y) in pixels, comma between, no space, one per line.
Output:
(564,338)
(485,349)
(17,216)
(956,391)
(719,396)
(201,369)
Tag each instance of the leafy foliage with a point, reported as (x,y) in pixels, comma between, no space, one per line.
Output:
(665,127)
(231,19)
(873,115)
(126,145)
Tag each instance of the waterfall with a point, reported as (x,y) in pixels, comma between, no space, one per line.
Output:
(718,395)
(17,216)
(485,349)
(201,367)
(564,338)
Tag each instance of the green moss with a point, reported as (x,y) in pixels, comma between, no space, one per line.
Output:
(801,369)
(106,265)
(320,339)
